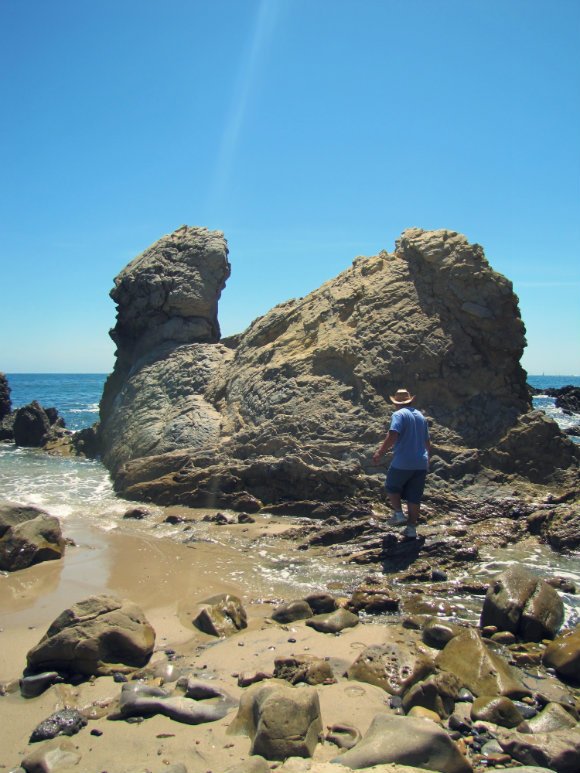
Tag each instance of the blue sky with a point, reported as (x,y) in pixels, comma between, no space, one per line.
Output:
(309,131)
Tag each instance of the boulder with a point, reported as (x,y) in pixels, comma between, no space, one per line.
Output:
(333,622)
(558,751)
(221,615)
(321,602)
(438,693)
(521,603)
(282,721)
(563,654)
(287,411)
(481,670)
(497,709)
(437,633)
(393,666)
(303,668)
(289,612)
(15,513)
(31,542)
(405,741)
(31,425)
(552,717)
(97,636)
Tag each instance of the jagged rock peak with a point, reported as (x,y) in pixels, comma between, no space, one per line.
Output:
(169,294)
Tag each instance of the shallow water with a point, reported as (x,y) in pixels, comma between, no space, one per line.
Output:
(80,493)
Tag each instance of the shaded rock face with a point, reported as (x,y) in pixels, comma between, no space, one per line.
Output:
(293,407)
(5,401)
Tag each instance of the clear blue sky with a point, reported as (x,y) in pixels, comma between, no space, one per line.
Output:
(309,131)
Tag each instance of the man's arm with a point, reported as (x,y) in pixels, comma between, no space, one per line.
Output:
(387,444)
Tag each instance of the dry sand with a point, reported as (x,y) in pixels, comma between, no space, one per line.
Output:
(167,580)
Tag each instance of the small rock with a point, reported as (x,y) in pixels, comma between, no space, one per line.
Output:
(64,722)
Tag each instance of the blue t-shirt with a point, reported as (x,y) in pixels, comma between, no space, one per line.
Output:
(409,452)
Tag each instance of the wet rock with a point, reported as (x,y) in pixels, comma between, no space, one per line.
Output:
(406,741)
(64,722)
(31,425)
(373,597)
(221,615)
(420,712)
(563,654)
(52,756)
(141,700)
(303,668)
(394,667)
(437,633)
(333,622)
(282,721)
(292,611)
(33,686)
(136,513)
(438,693)
(552,717)
(321,602)
(31,542)
(562,531)
(480,669)
(519,602)
(497,709)
(558,750)
(97,636)
(548,689)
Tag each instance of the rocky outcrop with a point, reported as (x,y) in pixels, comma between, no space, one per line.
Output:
(5,401)
(165,331)
(293,407)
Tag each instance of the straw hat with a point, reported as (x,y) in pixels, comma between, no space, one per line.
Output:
(402,397)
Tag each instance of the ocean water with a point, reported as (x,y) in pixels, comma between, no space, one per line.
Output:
(80,490)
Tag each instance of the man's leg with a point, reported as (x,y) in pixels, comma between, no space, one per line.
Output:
(413,493)
(395,500)
(394,485)
(413,509)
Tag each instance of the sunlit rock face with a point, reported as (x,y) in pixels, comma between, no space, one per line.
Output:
(167,299)
(294,406)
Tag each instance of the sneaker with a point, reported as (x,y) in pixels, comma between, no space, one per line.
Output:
(410,532)
(398,519)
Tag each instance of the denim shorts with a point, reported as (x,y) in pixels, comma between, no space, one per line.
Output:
(410,484)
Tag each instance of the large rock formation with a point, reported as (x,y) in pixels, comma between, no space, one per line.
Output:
(292,408)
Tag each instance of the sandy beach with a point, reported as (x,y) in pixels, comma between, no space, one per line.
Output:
(167,580)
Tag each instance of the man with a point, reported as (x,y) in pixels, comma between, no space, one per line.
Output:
(409,436)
